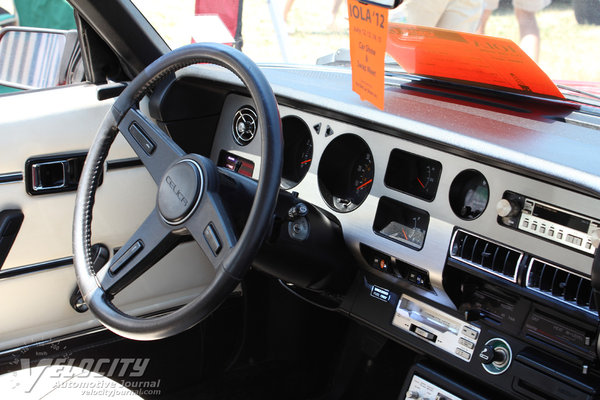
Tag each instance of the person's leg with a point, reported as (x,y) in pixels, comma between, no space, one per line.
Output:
(334,12)
(529,33)
(484,19)
(286,9)
(461,15)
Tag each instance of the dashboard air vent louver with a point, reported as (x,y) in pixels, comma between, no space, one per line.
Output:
(245,124)
(561,285)
(486,255)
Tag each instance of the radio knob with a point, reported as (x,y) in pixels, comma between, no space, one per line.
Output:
(505,208)
(412,394)
(595,237)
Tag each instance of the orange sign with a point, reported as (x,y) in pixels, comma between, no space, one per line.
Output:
(478,60)
(368,34)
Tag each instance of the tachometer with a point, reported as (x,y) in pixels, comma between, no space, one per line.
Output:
(346,173)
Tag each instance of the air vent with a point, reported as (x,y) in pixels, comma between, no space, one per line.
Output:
(245,124)
(486,255)
(561,285)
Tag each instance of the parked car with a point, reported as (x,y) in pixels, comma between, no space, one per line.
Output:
(188,223)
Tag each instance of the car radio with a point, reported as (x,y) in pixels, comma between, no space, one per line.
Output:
(549,222)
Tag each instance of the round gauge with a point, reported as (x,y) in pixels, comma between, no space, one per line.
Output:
(297,151)
(469,194)
(346,173)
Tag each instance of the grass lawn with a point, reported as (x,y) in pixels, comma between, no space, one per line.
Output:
(568,50)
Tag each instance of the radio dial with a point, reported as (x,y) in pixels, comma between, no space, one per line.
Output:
(505,208)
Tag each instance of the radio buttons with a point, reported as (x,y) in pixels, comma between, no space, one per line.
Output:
(461,353)
(466,343)
(567,228)
(470,333)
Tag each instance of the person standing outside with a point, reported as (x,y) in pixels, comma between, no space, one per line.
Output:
(529,31)
(456,15)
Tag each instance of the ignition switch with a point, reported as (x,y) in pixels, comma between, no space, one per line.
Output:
(298,226)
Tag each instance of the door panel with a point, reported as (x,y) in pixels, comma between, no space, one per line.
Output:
(37,278)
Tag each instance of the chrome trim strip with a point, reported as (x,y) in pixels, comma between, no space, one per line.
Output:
(481,267)
(43,266)
(549,294)
(11,177)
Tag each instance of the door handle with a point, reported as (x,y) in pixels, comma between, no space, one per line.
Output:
(10,224)
(54,173)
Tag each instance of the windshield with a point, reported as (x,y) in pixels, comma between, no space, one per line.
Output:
(561,35)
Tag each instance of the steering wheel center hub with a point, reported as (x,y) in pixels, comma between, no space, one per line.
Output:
(180,191)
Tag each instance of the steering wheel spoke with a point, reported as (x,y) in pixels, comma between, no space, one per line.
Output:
(212,229)
(152,240)
(151,144)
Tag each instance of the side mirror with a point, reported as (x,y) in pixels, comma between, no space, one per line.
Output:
(32,58)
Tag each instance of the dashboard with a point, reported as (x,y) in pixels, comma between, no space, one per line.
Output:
(470,221)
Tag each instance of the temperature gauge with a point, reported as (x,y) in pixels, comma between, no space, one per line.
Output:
(401,223)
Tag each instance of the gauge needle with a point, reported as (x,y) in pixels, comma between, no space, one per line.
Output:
(364,184)
(404,233)
(421,183)
(306,161)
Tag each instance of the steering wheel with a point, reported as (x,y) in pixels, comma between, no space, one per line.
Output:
(188,199)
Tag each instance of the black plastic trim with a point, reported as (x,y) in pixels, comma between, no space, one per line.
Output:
(11,177)
(123,163)
(43,266)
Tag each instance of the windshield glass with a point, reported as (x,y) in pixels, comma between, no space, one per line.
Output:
(561,35)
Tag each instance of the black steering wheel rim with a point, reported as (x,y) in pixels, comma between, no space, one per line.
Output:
(234,263)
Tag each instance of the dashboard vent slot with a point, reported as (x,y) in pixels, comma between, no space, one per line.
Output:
(486,255)
(561,285)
